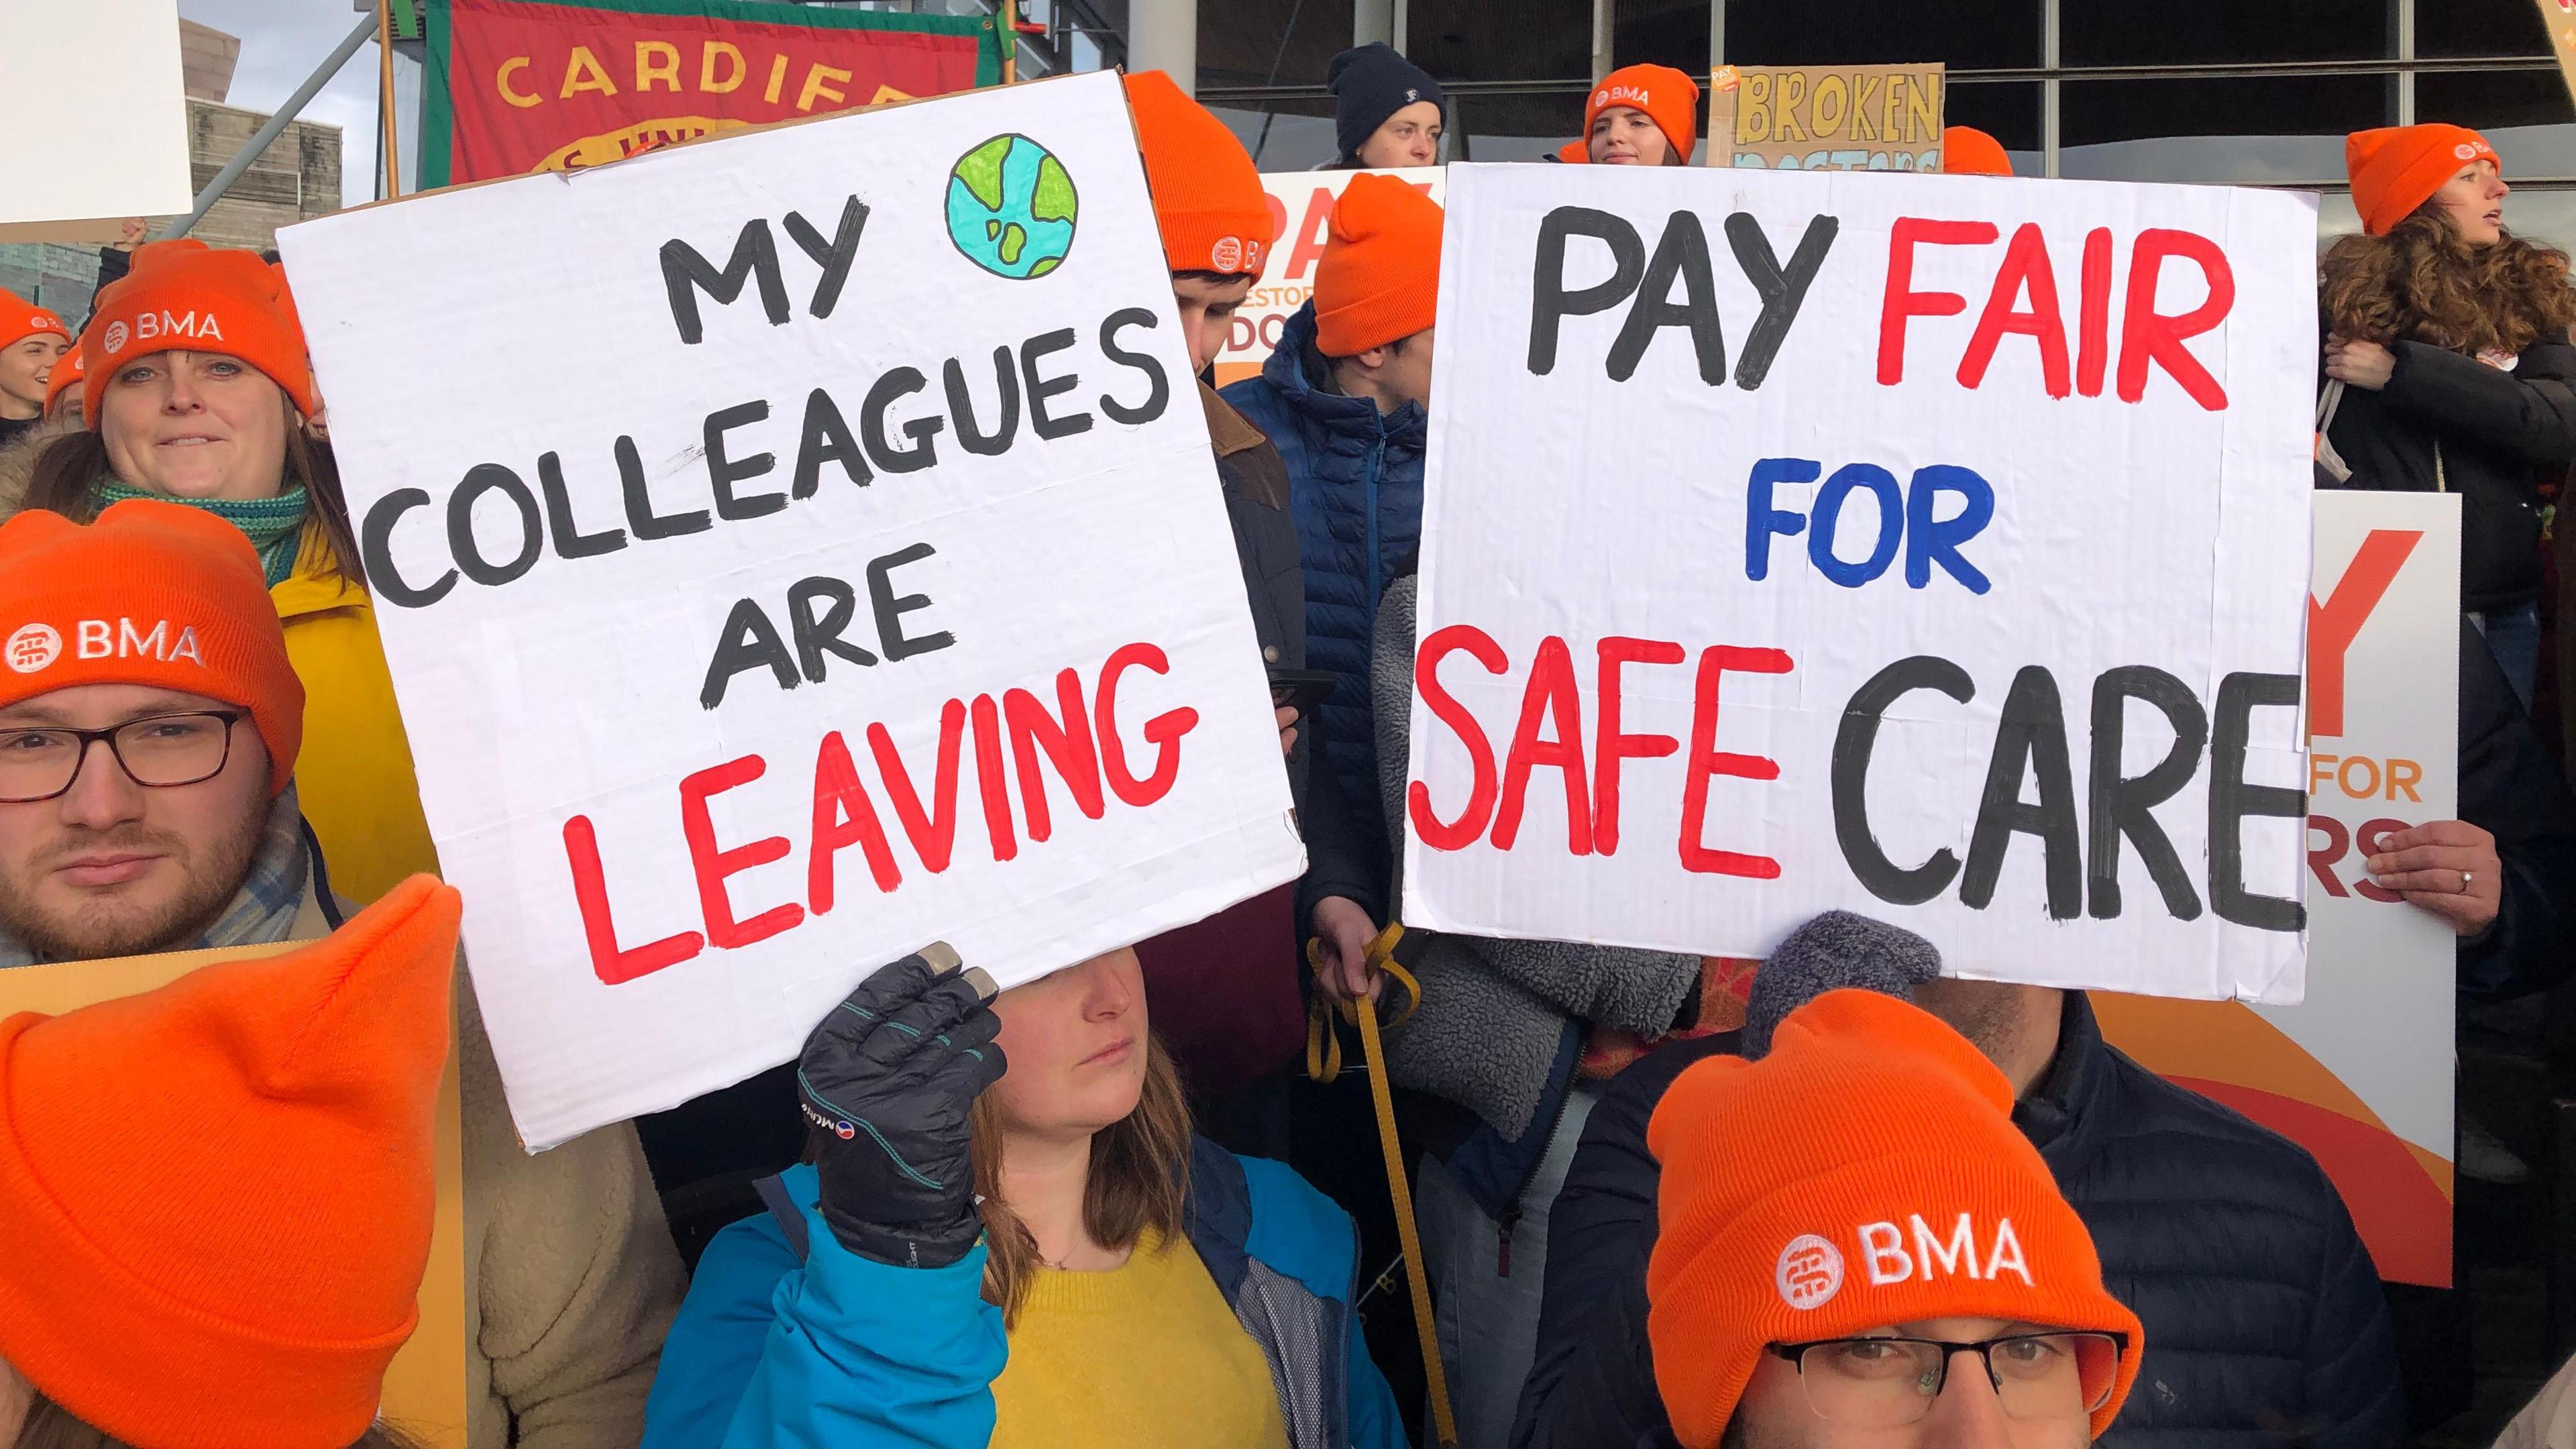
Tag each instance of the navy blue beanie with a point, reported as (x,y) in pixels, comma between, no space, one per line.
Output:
(1369,84)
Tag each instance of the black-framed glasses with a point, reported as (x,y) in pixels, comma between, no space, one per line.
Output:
(1882,1383)
(158,750)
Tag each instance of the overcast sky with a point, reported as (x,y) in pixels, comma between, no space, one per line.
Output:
(282,41)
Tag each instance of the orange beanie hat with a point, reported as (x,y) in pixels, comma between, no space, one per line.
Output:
(1821,1191)
(21,319)
(1967,151)
(185,294)
(153,593)
(1208,199)
(215,1198)
(2396,169)
(1669,97)
(67,370)
(1379,279)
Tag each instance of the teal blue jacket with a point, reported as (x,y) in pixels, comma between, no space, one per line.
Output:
(802,1343)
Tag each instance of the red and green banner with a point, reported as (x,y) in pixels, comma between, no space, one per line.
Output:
(517,86)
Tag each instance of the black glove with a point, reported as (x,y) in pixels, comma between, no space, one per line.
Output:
(889,1077)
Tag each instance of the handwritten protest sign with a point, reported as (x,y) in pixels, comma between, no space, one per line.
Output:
(1826,118)
(1301,219)
(831,562)
(2360,1072)
(1934,547)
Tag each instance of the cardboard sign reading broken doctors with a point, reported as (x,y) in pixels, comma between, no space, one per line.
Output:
(791,549)
(1930,547)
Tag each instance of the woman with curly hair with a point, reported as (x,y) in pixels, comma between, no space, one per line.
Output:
(2450,338)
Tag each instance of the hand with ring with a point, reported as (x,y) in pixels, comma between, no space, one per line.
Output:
(2448,867)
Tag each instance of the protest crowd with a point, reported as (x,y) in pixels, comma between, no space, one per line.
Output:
(1841,1196)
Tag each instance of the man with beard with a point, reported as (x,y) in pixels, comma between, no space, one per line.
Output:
(149,727)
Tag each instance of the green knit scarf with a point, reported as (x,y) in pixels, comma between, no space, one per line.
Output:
(274,525)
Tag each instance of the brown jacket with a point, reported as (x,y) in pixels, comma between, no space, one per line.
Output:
(573,1276)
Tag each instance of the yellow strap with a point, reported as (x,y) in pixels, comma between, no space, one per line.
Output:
(1323,1044)
(1323,1063)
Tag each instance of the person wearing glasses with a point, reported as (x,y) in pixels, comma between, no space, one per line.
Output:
(196,389)
(2265,1316)
(152,733)
(1859,1248)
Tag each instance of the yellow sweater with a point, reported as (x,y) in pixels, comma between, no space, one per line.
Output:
(354,775)
(1148,1356)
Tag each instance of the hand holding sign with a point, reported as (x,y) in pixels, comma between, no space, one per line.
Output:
(2448,867)
(887,1081)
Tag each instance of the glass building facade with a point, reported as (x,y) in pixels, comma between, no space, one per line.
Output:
(2249,92)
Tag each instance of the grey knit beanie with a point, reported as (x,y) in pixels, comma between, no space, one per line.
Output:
(1834,950)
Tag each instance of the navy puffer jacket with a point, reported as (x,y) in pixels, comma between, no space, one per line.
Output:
(1355,489)
(2266,1325)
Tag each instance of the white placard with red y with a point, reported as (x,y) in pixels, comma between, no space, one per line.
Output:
(2384,756)
(1930,547)
(831,562)
(1301,220)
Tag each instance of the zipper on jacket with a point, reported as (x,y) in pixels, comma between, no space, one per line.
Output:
(1510,1221)
(1368,496)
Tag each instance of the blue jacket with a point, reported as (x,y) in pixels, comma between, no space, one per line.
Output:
(807,1344)
(1355,490)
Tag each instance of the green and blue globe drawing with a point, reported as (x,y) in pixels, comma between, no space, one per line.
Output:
(1011,208)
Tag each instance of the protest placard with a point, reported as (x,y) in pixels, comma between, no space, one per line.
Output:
(2360,1072)
(425,1383)
(115,65)
(1301,219)
(831,561)
(1933,547)
(1826,118)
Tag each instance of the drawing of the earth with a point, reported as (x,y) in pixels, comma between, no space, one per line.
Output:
(1011,208)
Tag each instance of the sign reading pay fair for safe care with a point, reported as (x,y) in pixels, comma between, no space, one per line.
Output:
(1931,547)
(832,561)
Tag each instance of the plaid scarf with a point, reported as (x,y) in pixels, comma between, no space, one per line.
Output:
(263,910)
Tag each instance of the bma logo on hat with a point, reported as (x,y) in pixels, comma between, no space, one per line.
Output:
(115,338)
(1810,1272)
(835,1126)
(32,647)
(1235,254)
(2467,151)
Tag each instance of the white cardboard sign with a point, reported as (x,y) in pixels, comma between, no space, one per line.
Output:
(791,549)
(1301,221)
(1931,547)
(92,95)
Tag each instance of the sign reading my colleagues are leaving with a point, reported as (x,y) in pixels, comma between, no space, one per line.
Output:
(1931,547)
(1826,118)
(558,85)
(834,564)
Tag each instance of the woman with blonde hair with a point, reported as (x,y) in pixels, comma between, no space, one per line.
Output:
(2448,362)
(1007,1234)
(196,390)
